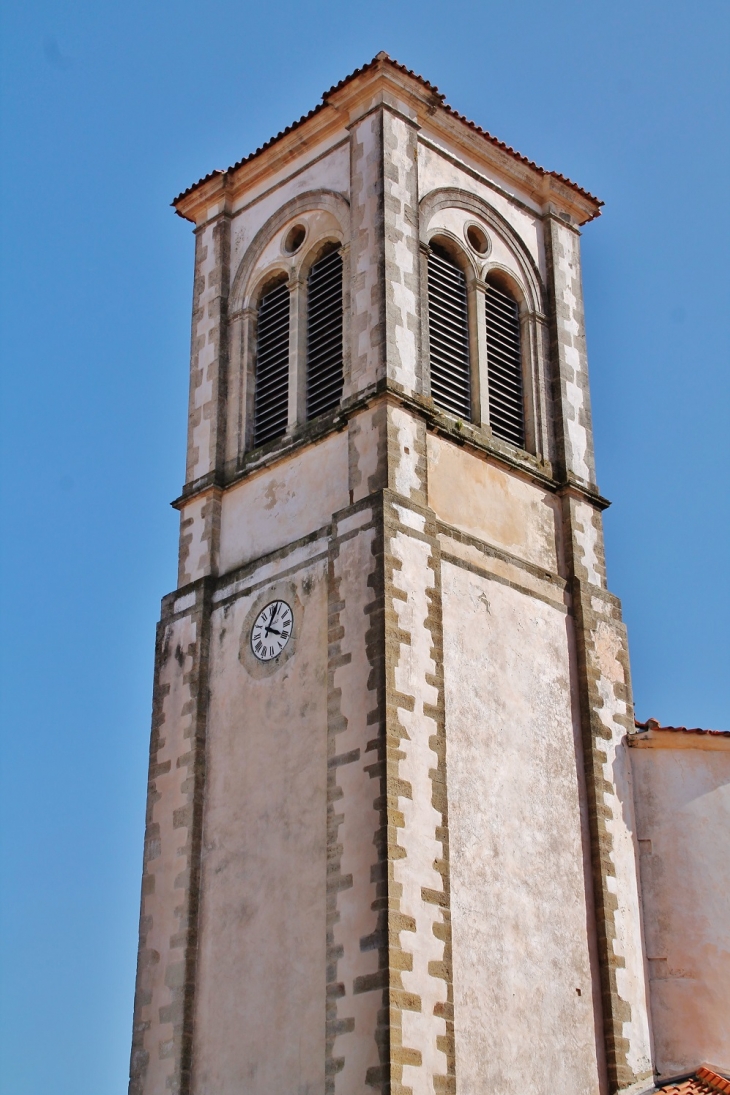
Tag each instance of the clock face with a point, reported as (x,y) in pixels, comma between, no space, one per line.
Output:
(271,630)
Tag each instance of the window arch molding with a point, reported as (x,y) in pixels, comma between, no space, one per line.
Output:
(267,279)
(452,197)
(328,200)
(247,287)
(450,242)
(523,281)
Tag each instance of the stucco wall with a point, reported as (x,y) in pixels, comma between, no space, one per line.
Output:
(523,998)
(260,1007)
(683,817)
(493,504)
(283,503)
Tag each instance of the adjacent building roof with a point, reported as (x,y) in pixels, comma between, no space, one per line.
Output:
(438,101)
(704,1082)
(654,724)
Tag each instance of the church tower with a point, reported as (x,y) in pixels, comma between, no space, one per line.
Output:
(390,836)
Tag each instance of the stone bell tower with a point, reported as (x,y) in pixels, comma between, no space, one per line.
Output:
(389,840)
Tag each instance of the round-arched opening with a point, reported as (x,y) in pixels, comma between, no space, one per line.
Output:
(450,248)
(294,239)
(477,239)
(506,285)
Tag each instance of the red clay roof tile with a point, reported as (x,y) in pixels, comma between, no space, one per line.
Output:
(440,99)
(653,724)
(704,1082)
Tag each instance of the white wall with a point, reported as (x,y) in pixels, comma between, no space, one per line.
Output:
(682,794)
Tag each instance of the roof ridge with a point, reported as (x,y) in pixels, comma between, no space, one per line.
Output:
(381,58)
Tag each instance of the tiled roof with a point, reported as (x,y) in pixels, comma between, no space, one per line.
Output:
(704,1082)
(653,724)
(438,99)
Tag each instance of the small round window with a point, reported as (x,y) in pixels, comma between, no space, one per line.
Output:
(294,239)
(477,239)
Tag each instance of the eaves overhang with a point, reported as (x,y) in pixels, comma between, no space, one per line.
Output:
(387,81)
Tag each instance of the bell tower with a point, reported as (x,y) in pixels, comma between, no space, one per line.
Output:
(390,838)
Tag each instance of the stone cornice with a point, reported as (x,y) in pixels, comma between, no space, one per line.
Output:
(460,433)
(385,83)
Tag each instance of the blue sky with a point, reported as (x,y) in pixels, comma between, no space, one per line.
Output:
(109,110)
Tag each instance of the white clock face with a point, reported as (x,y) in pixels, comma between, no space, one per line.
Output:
(271,630)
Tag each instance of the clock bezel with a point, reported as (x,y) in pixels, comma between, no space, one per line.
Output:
(287,591)
(272,657)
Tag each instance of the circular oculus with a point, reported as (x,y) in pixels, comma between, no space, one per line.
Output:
(271,630)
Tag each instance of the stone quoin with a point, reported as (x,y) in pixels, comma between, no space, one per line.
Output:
(403,834)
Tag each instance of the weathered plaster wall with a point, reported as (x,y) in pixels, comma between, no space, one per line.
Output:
(280,504)
(523,968)
(260,1000)
(493,504)
(683,817)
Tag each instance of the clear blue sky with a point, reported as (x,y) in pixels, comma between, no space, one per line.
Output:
(109,110)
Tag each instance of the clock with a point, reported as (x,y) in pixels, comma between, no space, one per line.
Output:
(271,630)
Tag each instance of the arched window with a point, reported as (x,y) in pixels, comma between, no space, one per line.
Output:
(324,333)
(448,332)
(271,393)
(504,366)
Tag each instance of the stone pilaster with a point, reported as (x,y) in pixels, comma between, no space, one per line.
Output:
(166,965)
(367,319)
(416,836)
(604,686)
(402,262)
(199,524)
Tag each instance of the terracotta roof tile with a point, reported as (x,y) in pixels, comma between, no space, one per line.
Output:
(704,1082)
(653,724)
(439,99)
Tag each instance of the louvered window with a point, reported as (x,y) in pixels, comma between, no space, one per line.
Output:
(448,332)
(504,365)
(324,334)
(271,397)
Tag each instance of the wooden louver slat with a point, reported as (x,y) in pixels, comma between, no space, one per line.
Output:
(448,330)
(504,367)
(271,398)
(324,334)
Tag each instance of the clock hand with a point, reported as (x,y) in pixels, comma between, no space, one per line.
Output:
(268,629)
